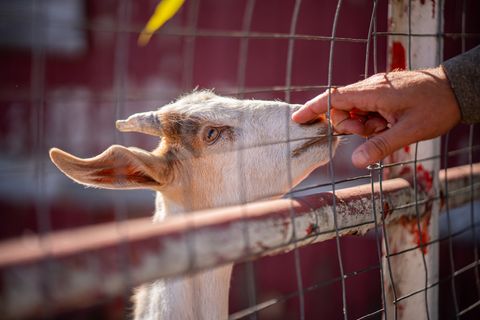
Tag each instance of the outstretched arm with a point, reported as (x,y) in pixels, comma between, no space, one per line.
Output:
(394,109)
(399,108)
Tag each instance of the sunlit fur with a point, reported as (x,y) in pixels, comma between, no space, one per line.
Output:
(251,160)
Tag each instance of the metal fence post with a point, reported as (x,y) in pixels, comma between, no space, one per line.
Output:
(414,42)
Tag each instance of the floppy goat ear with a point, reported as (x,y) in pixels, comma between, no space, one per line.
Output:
(117,167)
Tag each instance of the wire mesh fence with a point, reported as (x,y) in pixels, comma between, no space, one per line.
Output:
(71,69)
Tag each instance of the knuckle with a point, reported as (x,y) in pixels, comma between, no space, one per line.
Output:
(378,78)
(380,146)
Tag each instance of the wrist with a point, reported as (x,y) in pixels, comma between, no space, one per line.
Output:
(450,102)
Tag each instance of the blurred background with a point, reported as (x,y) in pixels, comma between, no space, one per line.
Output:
(70,68)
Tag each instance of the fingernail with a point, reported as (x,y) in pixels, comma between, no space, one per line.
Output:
(360,158)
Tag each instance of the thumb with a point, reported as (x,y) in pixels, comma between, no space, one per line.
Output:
(381,145)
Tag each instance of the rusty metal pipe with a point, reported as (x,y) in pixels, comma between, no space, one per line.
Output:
(82,264)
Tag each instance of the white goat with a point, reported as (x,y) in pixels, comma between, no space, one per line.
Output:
(196,166)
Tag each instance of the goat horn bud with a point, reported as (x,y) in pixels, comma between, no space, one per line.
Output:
(146,122)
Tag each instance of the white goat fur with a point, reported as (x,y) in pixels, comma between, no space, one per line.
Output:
(249,160)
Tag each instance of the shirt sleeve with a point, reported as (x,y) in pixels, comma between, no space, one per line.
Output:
(463,72)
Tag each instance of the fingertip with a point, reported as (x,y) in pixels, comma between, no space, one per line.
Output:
(295,117)
(381,145)
(361,158)
(303,115)
(311,109)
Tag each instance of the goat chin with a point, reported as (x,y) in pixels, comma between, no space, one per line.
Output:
(210,148)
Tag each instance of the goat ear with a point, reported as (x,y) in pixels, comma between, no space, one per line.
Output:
(117,167)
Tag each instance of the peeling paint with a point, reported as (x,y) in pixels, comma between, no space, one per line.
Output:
(285,228)
(406,171)
(386,209)
(421,237)
(433,6)
(311,229)
(398,54)
(401,309)
(424,179)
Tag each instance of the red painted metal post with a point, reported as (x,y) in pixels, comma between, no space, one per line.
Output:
(413,272)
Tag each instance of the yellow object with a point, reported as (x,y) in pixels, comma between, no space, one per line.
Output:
(164,11)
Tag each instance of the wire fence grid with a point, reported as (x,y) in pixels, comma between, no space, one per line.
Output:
(70,251)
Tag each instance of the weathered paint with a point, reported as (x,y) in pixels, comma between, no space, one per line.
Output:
(312,228)
(418,17)
(423,2)
(398,60)
(424,179)
(421,237)
(81,266)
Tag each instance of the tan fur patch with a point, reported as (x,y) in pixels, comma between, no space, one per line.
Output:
(168,155)
(179,129)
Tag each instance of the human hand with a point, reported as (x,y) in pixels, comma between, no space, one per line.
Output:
(393,109)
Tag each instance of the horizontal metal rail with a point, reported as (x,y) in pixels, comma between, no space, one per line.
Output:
(77,267)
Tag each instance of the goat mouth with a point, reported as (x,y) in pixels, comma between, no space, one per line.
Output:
(308,144)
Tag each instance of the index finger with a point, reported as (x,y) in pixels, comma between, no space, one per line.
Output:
(355,96)
(312,108)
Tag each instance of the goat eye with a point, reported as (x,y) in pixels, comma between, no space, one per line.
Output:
(211,135)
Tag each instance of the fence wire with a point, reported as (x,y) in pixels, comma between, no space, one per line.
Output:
(188,30)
